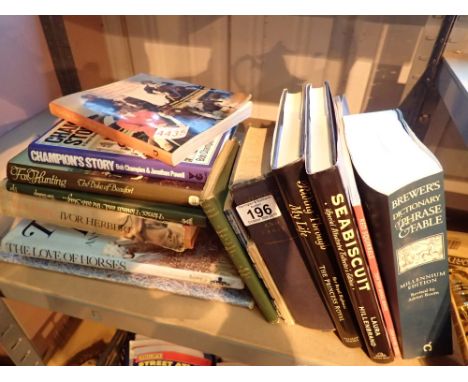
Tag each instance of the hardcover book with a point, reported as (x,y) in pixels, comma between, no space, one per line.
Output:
(67,144)
(287,163)
(20,169)
(214,292)
(147,210)
(162,118)
(402,186)
(208,263)
(324,168)
(257,261)
(175,236)
(259,207)
(212,202)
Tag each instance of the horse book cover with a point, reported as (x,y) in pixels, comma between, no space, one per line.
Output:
(163,119)
(67,144)
(207,263)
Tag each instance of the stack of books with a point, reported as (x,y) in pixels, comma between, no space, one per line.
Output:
(113,190)
(330,220)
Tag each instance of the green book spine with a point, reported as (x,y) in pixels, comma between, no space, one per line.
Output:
(147,210)
(213,208)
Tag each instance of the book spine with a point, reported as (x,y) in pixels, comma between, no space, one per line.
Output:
(214,211)
(339,222)
(237,227)
(99,183)
(260,208)
(258,263)
(376,278)
(160,212)
(270,285)
(315,247)
(122,164)
(237,297)
(409,232)
(49,251)
(110,133)
(109,223)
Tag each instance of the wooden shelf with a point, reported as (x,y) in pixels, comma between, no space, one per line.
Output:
(236,333)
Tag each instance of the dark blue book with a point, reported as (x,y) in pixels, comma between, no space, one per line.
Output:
(67,144)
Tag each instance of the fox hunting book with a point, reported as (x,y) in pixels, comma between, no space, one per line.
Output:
(208,263)
(402,187)
(287,163)
(20,169)
(175,236)
(147,210)
(67,144)
(324,170)
(214,292)
(162,118)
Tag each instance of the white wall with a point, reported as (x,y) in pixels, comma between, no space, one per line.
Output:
(371,59)
(27,77)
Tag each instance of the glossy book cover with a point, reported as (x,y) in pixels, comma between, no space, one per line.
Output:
(207,263)
(67,144)
(164,119)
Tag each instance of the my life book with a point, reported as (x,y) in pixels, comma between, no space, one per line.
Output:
(67,144)
(207,263)
(162,118)
(302,214)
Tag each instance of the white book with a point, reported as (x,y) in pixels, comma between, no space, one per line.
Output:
(207,263)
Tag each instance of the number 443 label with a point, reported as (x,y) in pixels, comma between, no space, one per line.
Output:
(258,210)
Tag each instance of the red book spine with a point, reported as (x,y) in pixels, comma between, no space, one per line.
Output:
(375,274)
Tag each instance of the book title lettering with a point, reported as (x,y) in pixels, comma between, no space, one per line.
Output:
(307,211)
(349,237)
(32,176)
(416,215)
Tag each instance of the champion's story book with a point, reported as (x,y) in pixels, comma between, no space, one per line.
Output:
(67,144)
(162,118)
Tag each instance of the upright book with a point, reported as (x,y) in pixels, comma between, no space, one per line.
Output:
(162,118)
(287,162)
(324,169)
(402,186)
(259,206)
(349,183)
(67,144)
(208,263)
(259,264)
(212,201)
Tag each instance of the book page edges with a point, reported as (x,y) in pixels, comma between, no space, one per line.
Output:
(375,274)
(108,132)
